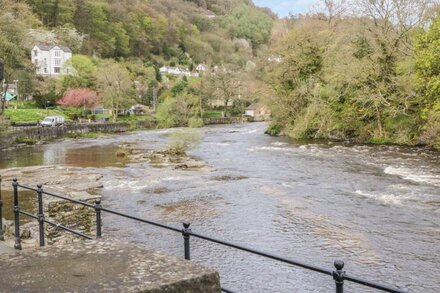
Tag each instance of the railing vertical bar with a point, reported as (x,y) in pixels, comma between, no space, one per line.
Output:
(17,244)
(186,242)
(338,276)
(98,208)
(40,213)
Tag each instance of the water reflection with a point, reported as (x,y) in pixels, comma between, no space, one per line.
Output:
(62,154)
(27,201)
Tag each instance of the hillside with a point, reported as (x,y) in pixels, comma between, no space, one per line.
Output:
(210,31)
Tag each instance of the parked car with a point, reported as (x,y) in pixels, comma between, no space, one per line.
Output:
(51,121)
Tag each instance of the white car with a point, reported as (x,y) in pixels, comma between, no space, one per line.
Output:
(52,121)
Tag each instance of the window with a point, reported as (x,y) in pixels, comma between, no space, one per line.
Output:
(36,61)
(35,53)
(57,69)
(57,53)
(57,62)
(45,70)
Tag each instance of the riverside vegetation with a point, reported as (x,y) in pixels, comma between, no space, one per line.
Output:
(362,70)
(119,46)
(357,70)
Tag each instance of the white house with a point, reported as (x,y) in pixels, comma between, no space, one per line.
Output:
(201,68)
(257,110)
(178,71)
(49,60)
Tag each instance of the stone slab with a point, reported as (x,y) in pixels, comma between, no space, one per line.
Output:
(5,248)
(102,266)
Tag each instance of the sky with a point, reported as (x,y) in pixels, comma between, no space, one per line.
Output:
(283,7)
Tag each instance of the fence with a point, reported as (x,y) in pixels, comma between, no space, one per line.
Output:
(338,275)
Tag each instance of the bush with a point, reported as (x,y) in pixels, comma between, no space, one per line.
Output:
(274,130)
(181,141)
(195,122)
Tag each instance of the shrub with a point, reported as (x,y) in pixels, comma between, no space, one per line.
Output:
(181,141)
(195,122)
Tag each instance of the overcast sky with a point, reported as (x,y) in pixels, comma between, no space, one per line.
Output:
(283,7)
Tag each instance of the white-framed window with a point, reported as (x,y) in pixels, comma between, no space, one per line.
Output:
(57,69)
(57,53)
(35,53)
(57,62)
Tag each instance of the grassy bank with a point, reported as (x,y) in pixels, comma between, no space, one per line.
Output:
(31,115)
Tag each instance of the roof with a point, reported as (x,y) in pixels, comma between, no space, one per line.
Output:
(48,48)
(10,97)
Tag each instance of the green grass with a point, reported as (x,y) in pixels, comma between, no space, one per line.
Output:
(23,104)
(212,114)
(31,115)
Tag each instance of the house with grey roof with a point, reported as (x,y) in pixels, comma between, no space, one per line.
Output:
(50,60)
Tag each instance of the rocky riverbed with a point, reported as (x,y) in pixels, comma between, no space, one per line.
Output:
(84,184)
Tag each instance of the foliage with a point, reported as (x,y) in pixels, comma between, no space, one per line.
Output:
(46,93)
(249,23)
(14,39)
(80,97)
(84,73)
(169,28)
(183,140)
(360,77)
(31,115)
(179,111)
(428,81)
(115,87)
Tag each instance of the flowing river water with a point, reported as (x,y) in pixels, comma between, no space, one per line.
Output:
(375,207)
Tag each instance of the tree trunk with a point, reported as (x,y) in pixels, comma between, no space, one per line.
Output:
(3,100)
(379,122)
(226,106)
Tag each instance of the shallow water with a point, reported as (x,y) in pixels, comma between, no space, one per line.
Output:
(377,208)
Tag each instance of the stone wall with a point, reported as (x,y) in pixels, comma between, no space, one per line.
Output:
(225,120)
(38,133)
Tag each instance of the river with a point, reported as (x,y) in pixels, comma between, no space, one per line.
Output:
(375,207)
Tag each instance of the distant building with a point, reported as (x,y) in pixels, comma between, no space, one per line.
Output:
(257,111)
(178,71)
(49,60)
(275,58)
(201,68)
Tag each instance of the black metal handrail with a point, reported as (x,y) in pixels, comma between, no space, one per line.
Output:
(339,275)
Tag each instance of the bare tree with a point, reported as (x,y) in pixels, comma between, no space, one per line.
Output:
(391,21)
(225,83)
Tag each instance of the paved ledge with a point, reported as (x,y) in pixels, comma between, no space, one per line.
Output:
(102,266)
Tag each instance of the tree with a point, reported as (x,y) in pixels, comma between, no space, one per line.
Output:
(226,84)
(14,40)
(115,87)
(80,97)
(83,73)
(428,81)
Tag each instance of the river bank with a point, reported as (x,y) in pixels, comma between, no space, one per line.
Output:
(375,207)
(22,136)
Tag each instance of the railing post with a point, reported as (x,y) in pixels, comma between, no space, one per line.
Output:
(40,213)
(185,232)
(17,244)
(338,276)
(1,212)
(98,208)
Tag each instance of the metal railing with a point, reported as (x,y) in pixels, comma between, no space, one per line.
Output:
(338,274)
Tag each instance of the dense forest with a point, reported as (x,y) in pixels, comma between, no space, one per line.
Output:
(135,38)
